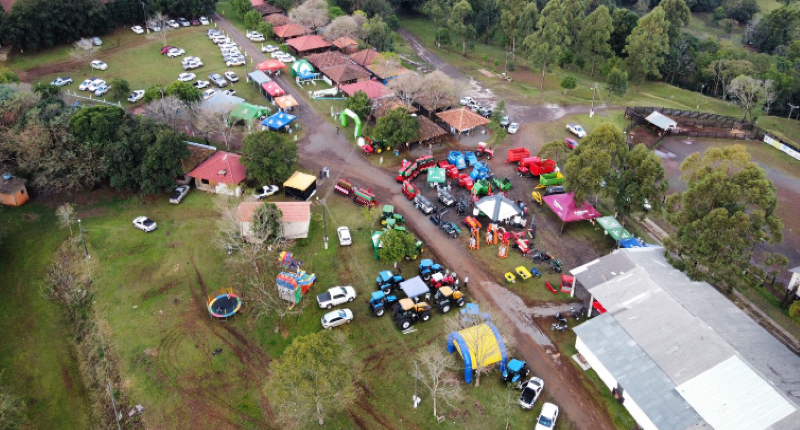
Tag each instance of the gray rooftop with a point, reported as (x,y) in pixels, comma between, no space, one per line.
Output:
(259,77)
(639,376)
(660,121)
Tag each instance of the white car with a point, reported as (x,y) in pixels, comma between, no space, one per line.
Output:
(137,29)
(85,84)
(154,28)
(238,61)
(513,128)
(204,20)
(336,296)
(231,76)
(269,48)
(229,92)
(145,224)
(60,82)
(344,236)
(102,90)
(201,84)
(174,24)
(227,44)
(207,94)
(179,193)
(187,60)
(186,77)
(466,101)
(577,130)
(96,41)
(184,22)
(336,318)
(136,96)
(212,33)
(99,65)
(257,38)
(192,65)
(530,392)
(97,83)
(547,419)
(265,191)
(276,54)
(175,52)
(286,58)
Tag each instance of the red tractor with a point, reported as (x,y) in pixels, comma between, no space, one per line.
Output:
(535,166)
(483,149)
(409,190)
(465,181)
(364,197)
(343,187)
(375,147)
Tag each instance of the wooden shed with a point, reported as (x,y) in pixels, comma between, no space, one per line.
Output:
(12,191)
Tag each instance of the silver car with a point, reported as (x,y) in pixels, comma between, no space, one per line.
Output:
(337,318)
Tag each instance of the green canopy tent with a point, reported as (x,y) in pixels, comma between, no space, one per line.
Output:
(247,113)
(613,228)
(435,175)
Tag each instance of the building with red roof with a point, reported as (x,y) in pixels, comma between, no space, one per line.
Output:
(296,218)
(346,45)
(374,89)
(365,57)
(222,173)
(289,31)
(310,44)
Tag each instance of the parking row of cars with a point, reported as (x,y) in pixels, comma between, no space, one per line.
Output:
(180,22)
(511,127)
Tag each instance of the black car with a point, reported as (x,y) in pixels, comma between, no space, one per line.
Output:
(487,113)
(424,204)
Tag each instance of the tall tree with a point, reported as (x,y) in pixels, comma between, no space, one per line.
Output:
(554,150)
(312,14)
(343,26)
(397,127)
(395,245)
(623,22)
(439,12)
(161,163)
(648,44)
(677,15)
(595,35)
(436,374)
(66,216)
(510,19)
(779,28)
(749,92)
(616,84)
(267,223)
(460,24)
(377,34)
(359,103)
(638,182)
(120,88)
(728,207)
(269,157)
(313,379)
(83,51)
(545,45)
(574,14)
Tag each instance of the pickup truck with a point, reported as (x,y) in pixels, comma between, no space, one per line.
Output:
(336,296)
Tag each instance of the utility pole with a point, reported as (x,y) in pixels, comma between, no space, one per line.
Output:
(699,95)
(594,93)
(791,109)
(117,415)
(324,223)
(80,226)
(416,400)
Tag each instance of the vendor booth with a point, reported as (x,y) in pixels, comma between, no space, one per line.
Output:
(279,121)
(564,206)
(300,186)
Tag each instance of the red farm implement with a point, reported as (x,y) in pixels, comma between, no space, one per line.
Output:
(364,198)
(343,187)
(410,170)
(517,154)
(409,190)
(535,166)
(483,149)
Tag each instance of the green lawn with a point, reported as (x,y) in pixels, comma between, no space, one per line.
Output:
(37,354)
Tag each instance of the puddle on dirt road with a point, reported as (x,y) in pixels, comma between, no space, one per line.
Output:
(664,154)
(516,309)
(480,93)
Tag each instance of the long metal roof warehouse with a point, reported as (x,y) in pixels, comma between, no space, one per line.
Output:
(681,355)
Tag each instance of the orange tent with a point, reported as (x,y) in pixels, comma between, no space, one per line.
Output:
(271,65)
(286,102)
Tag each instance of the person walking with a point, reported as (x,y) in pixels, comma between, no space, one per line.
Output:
(466,281)
(337,130)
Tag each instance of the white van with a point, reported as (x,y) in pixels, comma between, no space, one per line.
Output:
(207,94)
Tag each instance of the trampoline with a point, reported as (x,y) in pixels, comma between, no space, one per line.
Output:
(224,305)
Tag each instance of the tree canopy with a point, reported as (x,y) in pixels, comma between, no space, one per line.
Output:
(396,245)
(359,103)
(545,45)
(267,223)
(269,157)
(648,44)
(397,127)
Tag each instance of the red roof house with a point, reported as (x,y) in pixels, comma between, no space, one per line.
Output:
(222,173)
(365,57)
(374,89)
(289,31)
(304,45)
(346,45)
(255,3)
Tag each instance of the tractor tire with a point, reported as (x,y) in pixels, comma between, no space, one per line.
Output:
(379,312)
(378,150)
(425,316)
(404,324)
(350,299)
(488,157)
(445,309)
(426,277)
(461,303)
(387,291)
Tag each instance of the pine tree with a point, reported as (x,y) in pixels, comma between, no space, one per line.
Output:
(648,44)
(546,43)
(596,33)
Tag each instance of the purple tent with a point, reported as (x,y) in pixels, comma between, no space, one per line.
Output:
(564,206)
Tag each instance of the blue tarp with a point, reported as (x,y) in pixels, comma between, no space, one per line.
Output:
(279,120)
(306,74)
(414,287)
(634,242)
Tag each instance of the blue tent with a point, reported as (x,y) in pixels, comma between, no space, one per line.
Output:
(634,242)
(279,120)
(306,74)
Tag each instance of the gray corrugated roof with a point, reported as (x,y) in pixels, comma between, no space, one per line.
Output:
(601,270)
(795,269)
(660,121)
(637,374)
(259,77)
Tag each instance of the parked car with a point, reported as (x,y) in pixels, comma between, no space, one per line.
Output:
(286,58)
(513,128)
(207,94)
(154,28)
(85,84)
(337,318)
(344,236)
(184,22)
(191,65)
(530,392)
(233,57)
(179,193)
(486,112)
(187,60)
(236,61)
(175,52)
(257,38)
(136,96)
(572,143)
(96,41)
(270,48)
(336,296)
(186,77)
(577,130)
(251,34)
(60,82)
(97,83)
(276,54)
(231,76)
(505,121)
(102,90)
(547,418)
(424,204)
(174,24)
(218,80)
(229,92)
(99,65)
(221,39)
(137,29)
(145,224)
(166,49)
(195,22)
(204,20)
(201,84)
(227,44)
(212,33)
(466,101)
(265,191)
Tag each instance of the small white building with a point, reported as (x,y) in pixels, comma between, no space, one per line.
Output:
(678,354)
(296,218)
(794,282)
(661,121)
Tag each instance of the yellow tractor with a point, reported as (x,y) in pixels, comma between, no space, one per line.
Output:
(445,298)
(406,312)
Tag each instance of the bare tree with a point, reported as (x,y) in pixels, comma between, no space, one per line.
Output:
(770,94)
(312,14)
(435,373)
(409,86)
(66,216)
(167,109)
(507,402)
(83,51)
(440,90)
(213,123)
(749,92)
(482,352)
(159,20)
(343,26)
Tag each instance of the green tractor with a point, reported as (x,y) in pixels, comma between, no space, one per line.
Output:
(390,218)
(503,185)
(481,188)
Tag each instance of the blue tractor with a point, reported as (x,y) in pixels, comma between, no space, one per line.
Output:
(427,268)
(388,281)
(380,302)
(516,372)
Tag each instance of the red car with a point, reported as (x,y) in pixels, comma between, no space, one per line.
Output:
(571,143)
(166,49)
(195,22)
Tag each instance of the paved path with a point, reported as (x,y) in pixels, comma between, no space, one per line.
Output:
(323,147)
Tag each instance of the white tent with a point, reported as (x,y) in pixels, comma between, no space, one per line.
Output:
(498,208)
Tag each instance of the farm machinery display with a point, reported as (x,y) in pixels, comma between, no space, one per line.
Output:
(517,154)
(484,150)
(445,298)
(343,187)
(388,281)
(411,169)
(372,146)
(550,179)
(406,312)
(516,372)
(427,268)
(360,196)
(535,166)
(390,218)
(456,158)
(409,190)
(380,301)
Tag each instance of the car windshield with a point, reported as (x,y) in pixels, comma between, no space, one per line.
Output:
(545,421)
(342,314)
(148,222)
(527,394)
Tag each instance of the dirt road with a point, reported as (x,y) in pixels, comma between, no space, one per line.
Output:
(322,146)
